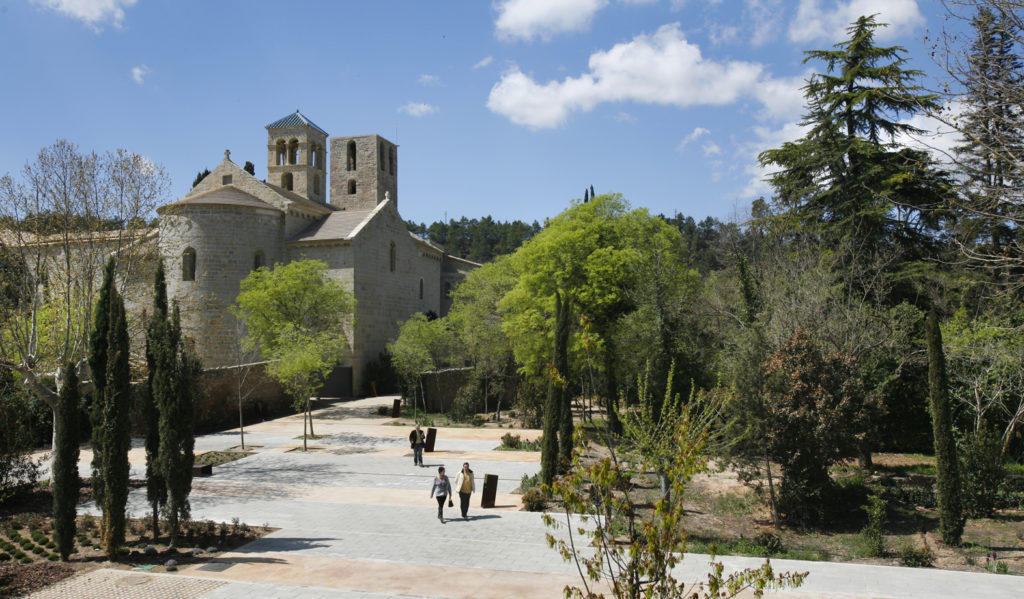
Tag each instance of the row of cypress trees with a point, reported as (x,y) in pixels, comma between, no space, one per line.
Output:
(168,399)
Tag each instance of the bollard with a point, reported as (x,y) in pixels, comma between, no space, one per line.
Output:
(490,490)
(431,437)
(396,408)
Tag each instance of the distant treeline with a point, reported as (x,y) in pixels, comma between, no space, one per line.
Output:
(477,240)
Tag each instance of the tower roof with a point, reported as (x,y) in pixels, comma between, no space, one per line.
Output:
(296,119)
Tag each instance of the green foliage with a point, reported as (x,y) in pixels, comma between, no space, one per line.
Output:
(769,542)
(982,472)
(873,535)
(814,409)
(160,371)
(422,345)
(18,470)
(608,537)
(534,500)
(381,372)
(298,317)
(200,176)
(951,516)
(480,240)
(65,463)
(512,442)
(115,427)
(98,357)
(912,556)
(553,408)
(249,168)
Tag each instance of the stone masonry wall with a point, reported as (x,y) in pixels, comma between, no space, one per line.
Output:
(372,182)
(225,240)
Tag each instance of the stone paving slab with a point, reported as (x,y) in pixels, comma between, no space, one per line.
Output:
(128,584)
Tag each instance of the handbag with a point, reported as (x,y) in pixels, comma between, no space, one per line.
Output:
(450,502)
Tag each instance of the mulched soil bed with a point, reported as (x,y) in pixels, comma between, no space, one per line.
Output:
(28,560)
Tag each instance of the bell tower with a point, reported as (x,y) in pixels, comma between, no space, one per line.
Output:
(364,172)
(297,156)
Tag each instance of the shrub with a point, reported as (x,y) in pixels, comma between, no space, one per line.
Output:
(383,410)
(529,482)
(4,557)
(872,534)
(916,557)
(769,542)
(981,472)
(534,500)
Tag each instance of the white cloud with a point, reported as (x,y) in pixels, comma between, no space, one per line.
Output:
(484,62)
(782,99)
(813,23)
(711,149)
(527,19)
(766,139)
(139,72)
(766,16)
(693,136)
(938,138)
(418,109)
(429,80)
(91,12)
(662,68)
(625,117)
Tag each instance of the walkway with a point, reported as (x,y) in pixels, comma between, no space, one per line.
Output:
(356,522)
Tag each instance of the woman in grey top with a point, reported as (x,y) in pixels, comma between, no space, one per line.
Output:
(441,489)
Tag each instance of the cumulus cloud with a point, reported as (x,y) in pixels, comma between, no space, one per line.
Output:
(711,149)
(528,19)
(765,138)
(812,23)
(429,80)
(483,62)
(418,109)
(662,68)
(139,72)
(93,13)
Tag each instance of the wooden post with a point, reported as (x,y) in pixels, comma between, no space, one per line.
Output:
(490,490)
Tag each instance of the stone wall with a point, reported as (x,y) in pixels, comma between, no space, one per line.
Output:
(218,408)
(371,180)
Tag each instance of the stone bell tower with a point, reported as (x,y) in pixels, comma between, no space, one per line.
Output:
(364,170)
(297,156)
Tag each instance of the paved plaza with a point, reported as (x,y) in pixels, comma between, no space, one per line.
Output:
(356,522)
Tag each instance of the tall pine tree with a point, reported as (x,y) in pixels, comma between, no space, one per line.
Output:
(65,464)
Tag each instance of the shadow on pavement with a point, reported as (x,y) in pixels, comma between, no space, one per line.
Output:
(282,544)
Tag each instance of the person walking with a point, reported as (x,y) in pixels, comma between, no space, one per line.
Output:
(466,486)
(417,440)
(441,489)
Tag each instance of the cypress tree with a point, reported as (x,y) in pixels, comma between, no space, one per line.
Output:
(951,517)
(552,411)
(65,464)
(158,353)
(116,431)
(98,371)
(177,439)
(562,390)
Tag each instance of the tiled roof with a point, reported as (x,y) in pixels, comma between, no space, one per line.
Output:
(337,226)
(308,204)
(228,195)
(296,119)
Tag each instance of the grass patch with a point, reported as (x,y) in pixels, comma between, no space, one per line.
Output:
(217,458)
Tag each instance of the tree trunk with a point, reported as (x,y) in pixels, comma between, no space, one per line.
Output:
(305,447)
(666,489)
(309,410)
(771,490)
(241,422)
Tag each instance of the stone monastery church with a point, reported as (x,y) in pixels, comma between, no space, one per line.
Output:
(232,223)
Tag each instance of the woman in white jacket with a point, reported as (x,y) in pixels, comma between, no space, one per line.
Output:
(465,486)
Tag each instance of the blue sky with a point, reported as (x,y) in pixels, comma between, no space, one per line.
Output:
(507,108)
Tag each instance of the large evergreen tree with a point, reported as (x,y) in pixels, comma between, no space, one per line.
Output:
(115,429)
(98,340)
(992,129)
(65,464)
(177,418)
(947,480)
(159,360)
(553,406)
(848,176)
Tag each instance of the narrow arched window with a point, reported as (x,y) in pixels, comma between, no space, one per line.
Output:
(287,181)
(391,160)
(258,261)
(380,155)
(350,161)
(421,288)
(392,256)
(351,187)
(280,152)
(293,151)
(188,265)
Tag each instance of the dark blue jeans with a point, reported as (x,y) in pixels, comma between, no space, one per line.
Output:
(417,454)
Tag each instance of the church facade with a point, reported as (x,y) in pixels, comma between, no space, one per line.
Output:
(232,223)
